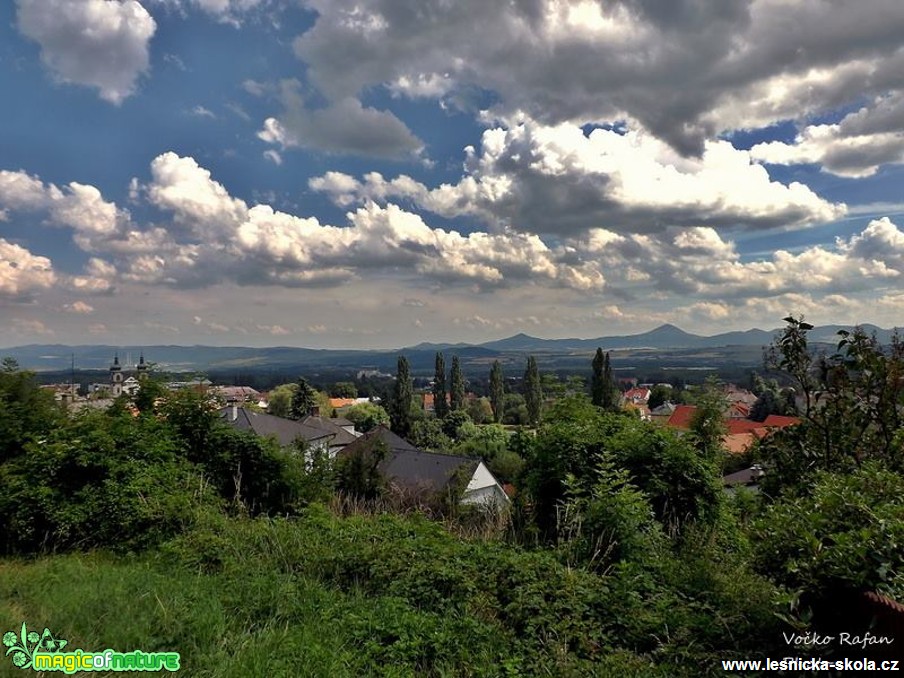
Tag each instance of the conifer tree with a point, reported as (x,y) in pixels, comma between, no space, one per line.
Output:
(456,387)
(304,399)
(497,390)
(400,419)
(533,391)
(440,404)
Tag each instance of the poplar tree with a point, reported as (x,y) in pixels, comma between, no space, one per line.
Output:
(533,391)
(596,380)
(400,419)
(497,390)
(602,385)
(456,386)
(440,404)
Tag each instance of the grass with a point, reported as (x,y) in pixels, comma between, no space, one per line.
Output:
(351,596)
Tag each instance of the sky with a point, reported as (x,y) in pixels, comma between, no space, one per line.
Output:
(378,173)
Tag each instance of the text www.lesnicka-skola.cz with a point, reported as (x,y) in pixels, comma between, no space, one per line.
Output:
(803,664)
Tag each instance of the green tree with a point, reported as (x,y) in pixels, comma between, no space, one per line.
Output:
(497,390)
(344,389)
(851,407)
(427,434)
(440,404)
(533,391)
(602,385)
(659,395)
(304,400)
(366,416)
(597,388)
(279,402)
(708,427)
(456,386)
(358,473)
(26,410)
(480,410)
(400,415)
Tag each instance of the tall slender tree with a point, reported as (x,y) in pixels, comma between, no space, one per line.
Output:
(456,386)
(400,419)
(533,391)
(596,380)
(497,390)
(440,404)
(602,385)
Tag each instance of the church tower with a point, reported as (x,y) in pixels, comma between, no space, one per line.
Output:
(142,368)
(116,377)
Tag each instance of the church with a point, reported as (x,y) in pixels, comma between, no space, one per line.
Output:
(121,383)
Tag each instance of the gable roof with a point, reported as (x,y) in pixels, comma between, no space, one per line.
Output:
(380,433)
(682,416)
(286,431)
(409,467)
(322,426)
(778,421)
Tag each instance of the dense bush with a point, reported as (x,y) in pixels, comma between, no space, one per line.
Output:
(846,533)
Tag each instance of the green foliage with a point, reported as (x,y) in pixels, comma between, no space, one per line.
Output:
(366,416)
(304,399)
(852,407)
(497,390)
(659,395)
(440,402)
(427,434)
(514,410)
(400,407)
(533,391)
(846,533)
(480,411)
(708,423)
(101,480)
(344,389)
(456,386)
(27,412)
(603,391)
(358,474)
(681,484)
(453,423)
(607,520)
(279,403)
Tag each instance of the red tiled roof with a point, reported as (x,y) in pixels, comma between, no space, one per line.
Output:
(681,417)
(778,421)
(338,403)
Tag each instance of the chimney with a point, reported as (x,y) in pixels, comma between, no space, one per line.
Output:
(315,411)
(234,409)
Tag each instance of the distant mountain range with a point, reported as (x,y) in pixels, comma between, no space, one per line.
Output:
(58,357)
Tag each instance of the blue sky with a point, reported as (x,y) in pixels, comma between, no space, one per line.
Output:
(378,173)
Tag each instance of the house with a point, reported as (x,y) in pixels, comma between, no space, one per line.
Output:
(749,478)
(637,395)
(740,433)
(409,469)
(244,394)
(318,432)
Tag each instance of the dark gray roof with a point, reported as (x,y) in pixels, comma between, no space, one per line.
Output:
(286,431)
(382,433)
(407,466)
(325,426)
(747,476)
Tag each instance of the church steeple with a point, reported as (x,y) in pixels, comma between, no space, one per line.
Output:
(116,377)
(142,367)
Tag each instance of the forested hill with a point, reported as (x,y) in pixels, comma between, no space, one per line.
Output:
(57,357)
